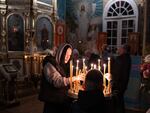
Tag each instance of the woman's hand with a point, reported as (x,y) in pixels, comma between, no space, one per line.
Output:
(80,77)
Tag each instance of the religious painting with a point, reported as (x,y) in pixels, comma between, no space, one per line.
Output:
(44,34)
(133,42)
(59,33)
(46,1)
(15,33)
(84,20)
(101,41)
(18,63)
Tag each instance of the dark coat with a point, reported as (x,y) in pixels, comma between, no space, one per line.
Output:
(91,101)
(120,73)
(48,92)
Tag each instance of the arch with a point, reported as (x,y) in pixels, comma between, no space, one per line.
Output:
(44,32)
(111,2)
(15,30)
(119,18)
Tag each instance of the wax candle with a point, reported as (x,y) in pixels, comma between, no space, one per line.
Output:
(109,71)
(95,66)
(92,66)
(99,67)
(104,80)
(71,74)
(108,64)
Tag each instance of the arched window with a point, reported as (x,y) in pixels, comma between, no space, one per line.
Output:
(119,18)
(15,33)
(44,33)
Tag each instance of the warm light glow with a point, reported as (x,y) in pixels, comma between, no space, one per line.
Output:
(95,66)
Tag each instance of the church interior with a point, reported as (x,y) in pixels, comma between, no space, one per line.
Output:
(32,29)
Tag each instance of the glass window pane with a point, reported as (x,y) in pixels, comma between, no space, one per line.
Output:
(124,32)
(117,10)
(126,4)
(117,3)
(131,23)
(110,10)
(123,40)
(109,25)
(131,12)
(115,14)
(114,33)
(129,8)
(114,41)
(109,14)
(114,24)
(109,33)
(124,24)
(130,30)
(122,9)
(109,41)
(124,13)
(114,6)
(122,3)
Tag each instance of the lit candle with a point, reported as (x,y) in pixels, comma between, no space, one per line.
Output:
(77,67)
(25,57)
(77,63)
(99,67)
(71,74)
(95,66)
(26,65)
(109,71)
(104,80)
(92,66)
(108,64)
(83,65)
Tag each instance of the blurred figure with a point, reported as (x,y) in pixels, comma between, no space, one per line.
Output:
(93,60)
(91,38)
(120,76)
(83,22)
(91,99)
(75,54)
(105,52)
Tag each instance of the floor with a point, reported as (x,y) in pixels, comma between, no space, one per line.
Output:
(31,104)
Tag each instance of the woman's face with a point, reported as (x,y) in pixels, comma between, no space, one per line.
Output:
(68,55)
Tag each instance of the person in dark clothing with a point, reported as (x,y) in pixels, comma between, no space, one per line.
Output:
(55,80)
(91,99)
(93,60)
(120,76)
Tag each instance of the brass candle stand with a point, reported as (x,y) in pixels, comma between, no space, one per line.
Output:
(78,85)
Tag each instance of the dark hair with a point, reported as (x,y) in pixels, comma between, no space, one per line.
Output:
(95,77)
(126,47)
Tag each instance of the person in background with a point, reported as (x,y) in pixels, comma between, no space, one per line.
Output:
(106,52)
(121,67)
(55,80)
(75,55)
(93,60)
(91,99)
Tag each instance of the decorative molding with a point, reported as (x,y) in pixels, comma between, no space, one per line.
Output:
(3,12)
(3,33)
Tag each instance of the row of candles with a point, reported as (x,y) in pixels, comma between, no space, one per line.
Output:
(33,64)
(84,71)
